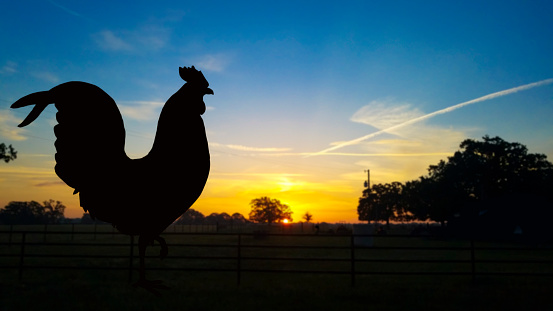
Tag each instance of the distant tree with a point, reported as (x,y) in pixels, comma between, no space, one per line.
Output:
(307,217)
(238,219)
(265,209)
(7,153)
(412,203)
(191,217)
(86,219)
(220,219)
(382,202)
(485,169)
(51,212)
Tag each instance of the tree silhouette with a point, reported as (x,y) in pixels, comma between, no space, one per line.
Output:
(50,212)
(265,209)
(191,217)
(238,219)
(487,170)
(7,153)
(307,217)
(382,202)
(215,218)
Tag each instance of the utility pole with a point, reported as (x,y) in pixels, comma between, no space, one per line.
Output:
(368,189)
(368,181)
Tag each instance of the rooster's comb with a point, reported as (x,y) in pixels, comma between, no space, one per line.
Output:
(193,76)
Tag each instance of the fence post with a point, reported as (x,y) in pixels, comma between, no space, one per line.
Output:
(11,233)
(239,260)
(131,255)
(352,245)
(22,255)
(45,229)
(72,231)
(95,228)
(472,260)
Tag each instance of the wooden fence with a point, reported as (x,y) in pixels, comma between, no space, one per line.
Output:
(239,253)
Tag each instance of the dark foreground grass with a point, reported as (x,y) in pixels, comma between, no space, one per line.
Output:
(105,290)
(62,289)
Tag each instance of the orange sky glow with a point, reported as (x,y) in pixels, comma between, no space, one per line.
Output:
(306,96)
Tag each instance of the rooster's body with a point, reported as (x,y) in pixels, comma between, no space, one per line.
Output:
(138,196)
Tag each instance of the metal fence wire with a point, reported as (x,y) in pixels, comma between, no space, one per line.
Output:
(253,253)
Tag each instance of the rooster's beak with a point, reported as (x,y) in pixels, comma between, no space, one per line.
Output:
(208,91)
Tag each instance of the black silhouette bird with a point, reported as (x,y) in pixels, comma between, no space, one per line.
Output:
(138,196)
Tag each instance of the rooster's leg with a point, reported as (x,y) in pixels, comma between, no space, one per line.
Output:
(164,249)
(151,286)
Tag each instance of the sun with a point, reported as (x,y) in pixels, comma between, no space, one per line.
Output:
(285,220)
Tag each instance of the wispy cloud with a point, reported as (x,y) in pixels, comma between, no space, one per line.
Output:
(8,127)
(27,171)
(257,149)
(46,76)
(383,114)
(146,38)
(433,114)
(65,9)
(9,68)
(108,41)
(388,155)
(249,148)
(267,175)
(50,183)
(212,62)
(151,37)
(140,110)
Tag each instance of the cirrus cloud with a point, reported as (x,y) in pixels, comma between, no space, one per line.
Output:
(249,148)
(8,127)
(383,114)
(146,38)
(140,110)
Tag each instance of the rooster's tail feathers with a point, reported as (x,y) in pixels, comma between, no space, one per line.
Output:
(40,99)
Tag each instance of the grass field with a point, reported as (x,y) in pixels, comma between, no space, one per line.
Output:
(65,289)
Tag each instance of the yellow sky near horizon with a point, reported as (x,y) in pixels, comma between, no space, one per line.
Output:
(329,195)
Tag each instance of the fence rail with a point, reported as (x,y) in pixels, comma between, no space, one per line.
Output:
(241,253)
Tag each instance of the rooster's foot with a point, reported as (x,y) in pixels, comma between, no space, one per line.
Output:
(151,286)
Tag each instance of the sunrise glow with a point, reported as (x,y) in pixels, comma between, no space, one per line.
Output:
(307,95)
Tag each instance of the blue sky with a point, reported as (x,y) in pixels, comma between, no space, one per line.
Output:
(290,79)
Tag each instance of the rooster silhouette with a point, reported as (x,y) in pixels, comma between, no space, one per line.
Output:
(138,196)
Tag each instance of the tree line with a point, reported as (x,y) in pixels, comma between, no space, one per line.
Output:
(194,217)
(32,213)
(491,170)
(263,210)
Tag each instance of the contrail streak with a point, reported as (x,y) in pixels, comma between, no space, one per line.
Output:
(435,113)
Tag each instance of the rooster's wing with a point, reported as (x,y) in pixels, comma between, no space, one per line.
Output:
(90,138)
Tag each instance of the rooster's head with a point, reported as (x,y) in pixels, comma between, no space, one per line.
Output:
(195,78)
